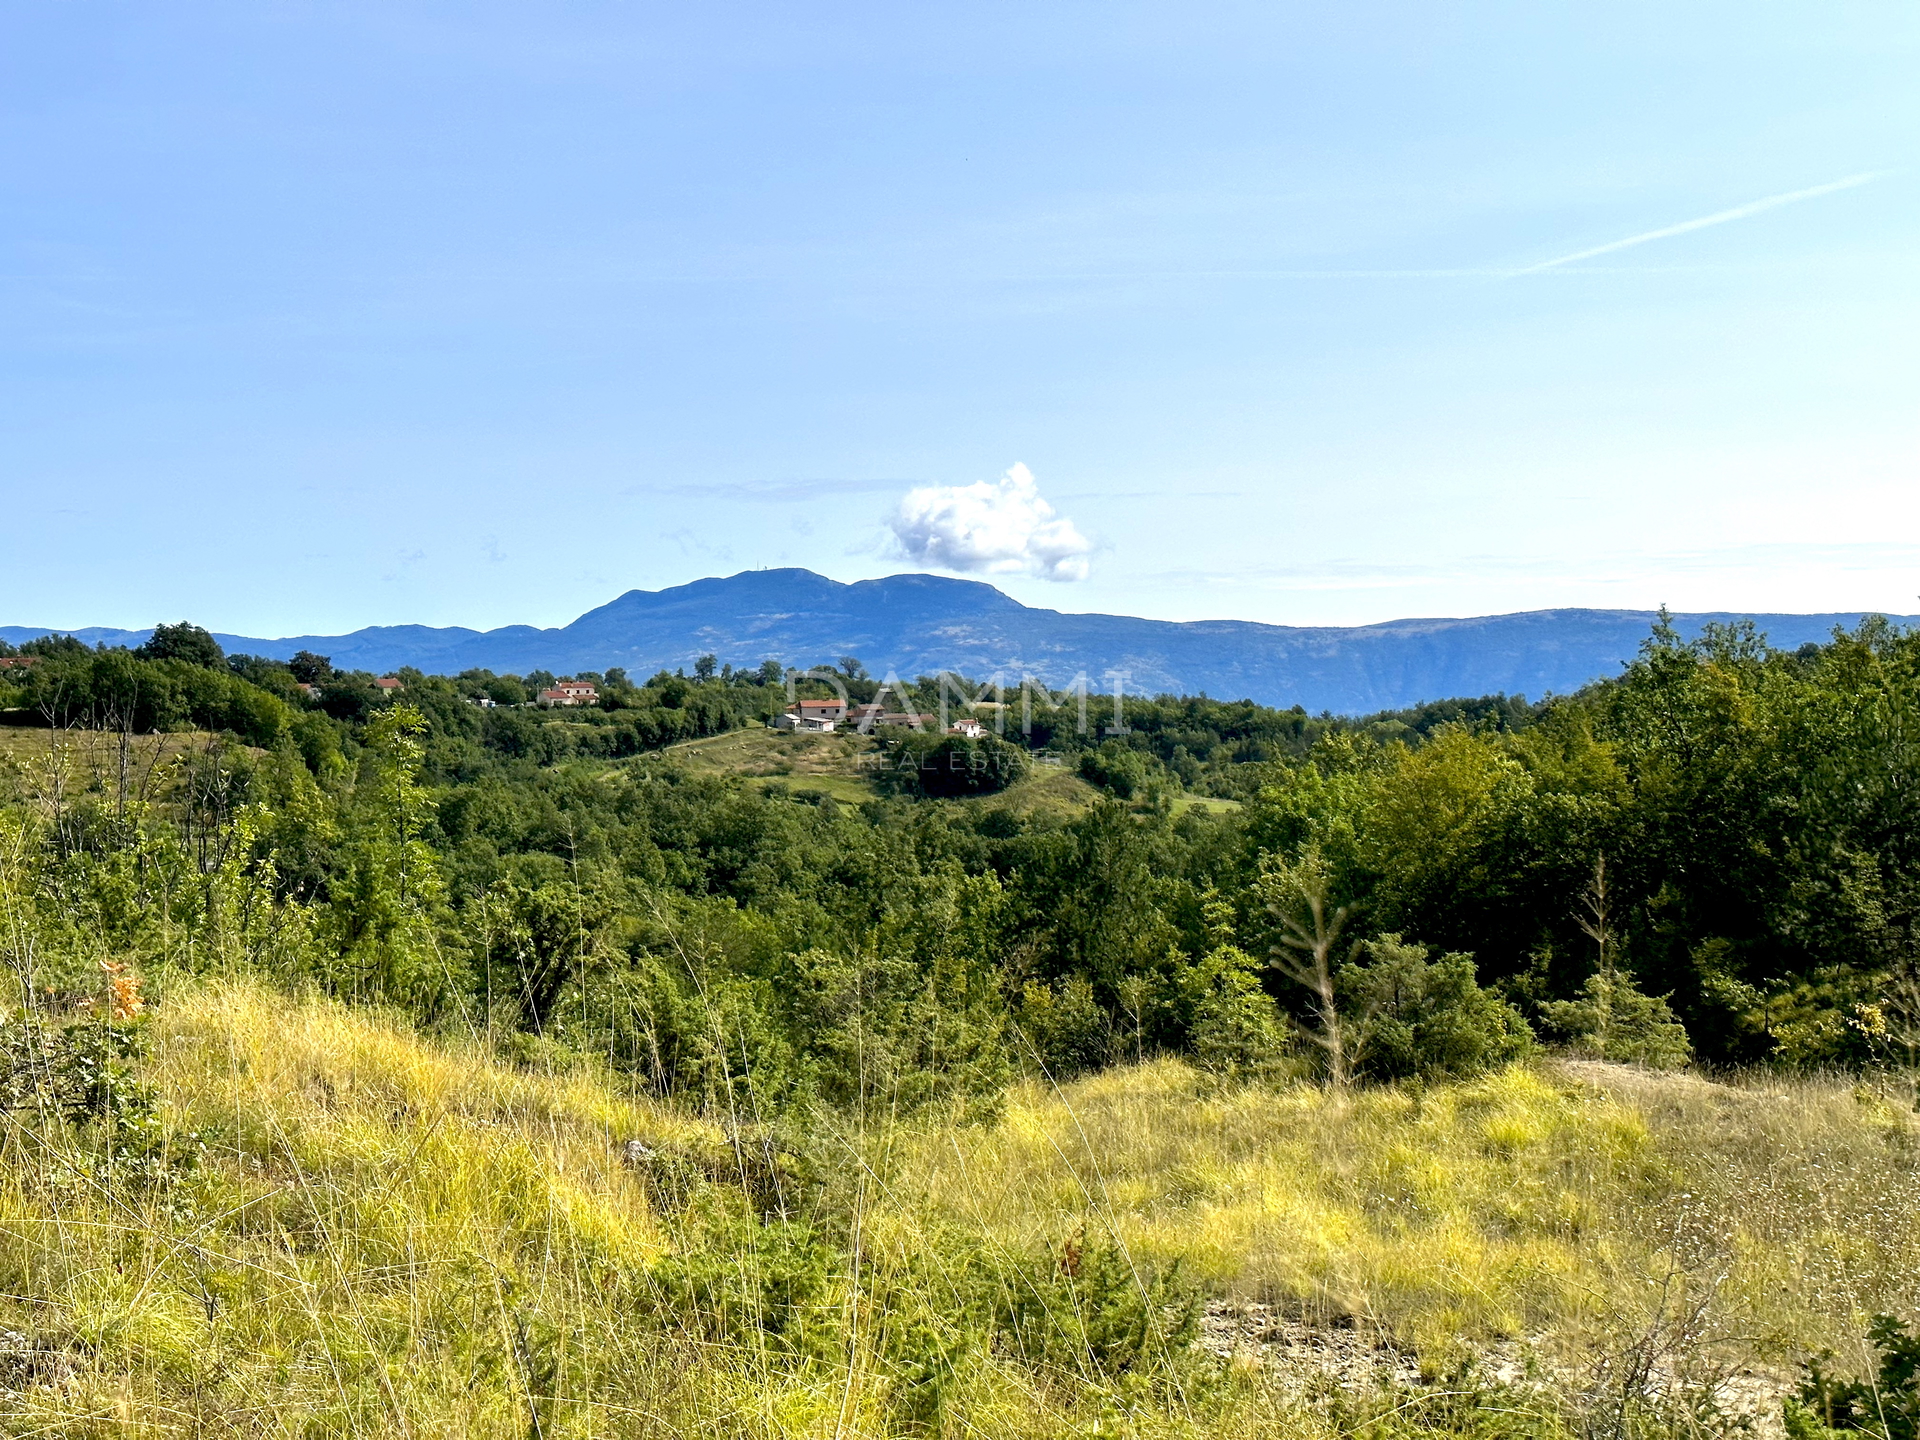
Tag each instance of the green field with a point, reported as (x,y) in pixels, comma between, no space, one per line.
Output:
(842,765)
(836,765)
(71,763)
(1206,804)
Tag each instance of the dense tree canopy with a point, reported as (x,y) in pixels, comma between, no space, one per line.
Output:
(1745,818)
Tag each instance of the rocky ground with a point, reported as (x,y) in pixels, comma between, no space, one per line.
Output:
(1302,1358)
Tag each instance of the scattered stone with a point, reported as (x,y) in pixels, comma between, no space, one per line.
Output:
(1298,1358)
(25,1361)
(1296,1355)
(636,1154)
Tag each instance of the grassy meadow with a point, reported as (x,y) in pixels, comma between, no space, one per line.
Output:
(843,765)
(324,1223)
(72,762)
(831,764)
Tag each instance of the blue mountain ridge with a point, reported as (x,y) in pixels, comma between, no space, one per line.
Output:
(911,625)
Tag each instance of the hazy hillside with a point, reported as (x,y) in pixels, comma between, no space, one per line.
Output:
(919,624)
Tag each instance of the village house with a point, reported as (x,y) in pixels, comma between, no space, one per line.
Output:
(868,718)
(389,684)
(795,720)
(570,692)
(17,662)
(972,729)
(816,716)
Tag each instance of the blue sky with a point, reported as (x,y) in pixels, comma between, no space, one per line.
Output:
(317,316)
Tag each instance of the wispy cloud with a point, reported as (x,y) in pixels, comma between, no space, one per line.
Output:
(1719,217)
(1496,272)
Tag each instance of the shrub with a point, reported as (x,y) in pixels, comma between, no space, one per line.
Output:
(754,1286)
(1614,1020)
(1413,1016)
(1886,1407)
(1095,1314)
(1064,1026)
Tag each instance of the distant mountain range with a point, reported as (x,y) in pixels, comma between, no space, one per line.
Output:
(919,624)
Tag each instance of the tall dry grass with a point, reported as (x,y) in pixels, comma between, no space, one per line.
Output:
(388,1236)
(1582,1206)
(382,1237)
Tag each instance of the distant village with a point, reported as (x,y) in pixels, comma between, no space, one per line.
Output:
(562,692)
(667,708)
(818,717)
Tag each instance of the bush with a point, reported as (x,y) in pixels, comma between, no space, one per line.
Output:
(1095,1314)
(1614,1020)
(1064,1027)
(1886,1407)
(1413,1016)
(952,766)
(755,1286)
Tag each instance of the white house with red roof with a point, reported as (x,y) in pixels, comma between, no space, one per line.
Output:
(571,692)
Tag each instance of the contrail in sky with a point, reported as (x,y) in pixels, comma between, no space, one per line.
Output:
(1720,217)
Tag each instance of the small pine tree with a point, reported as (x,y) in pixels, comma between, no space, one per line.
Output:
(1614,1020)
(1415,1017)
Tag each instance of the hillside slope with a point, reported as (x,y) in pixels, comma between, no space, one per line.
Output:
(919,624)
(318,1222)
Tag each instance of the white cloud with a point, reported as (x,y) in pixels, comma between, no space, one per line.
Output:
(990,528)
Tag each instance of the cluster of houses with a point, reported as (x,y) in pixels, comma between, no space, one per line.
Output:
(823,717)
(386,685)
(562,692)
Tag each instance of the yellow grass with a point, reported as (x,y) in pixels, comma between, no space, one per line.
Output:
(1206,804)
(388,1235)
(1529,1203)
(374,1222)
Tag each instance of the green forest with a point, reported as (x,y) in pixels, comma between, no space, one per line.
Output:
(1705,864)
